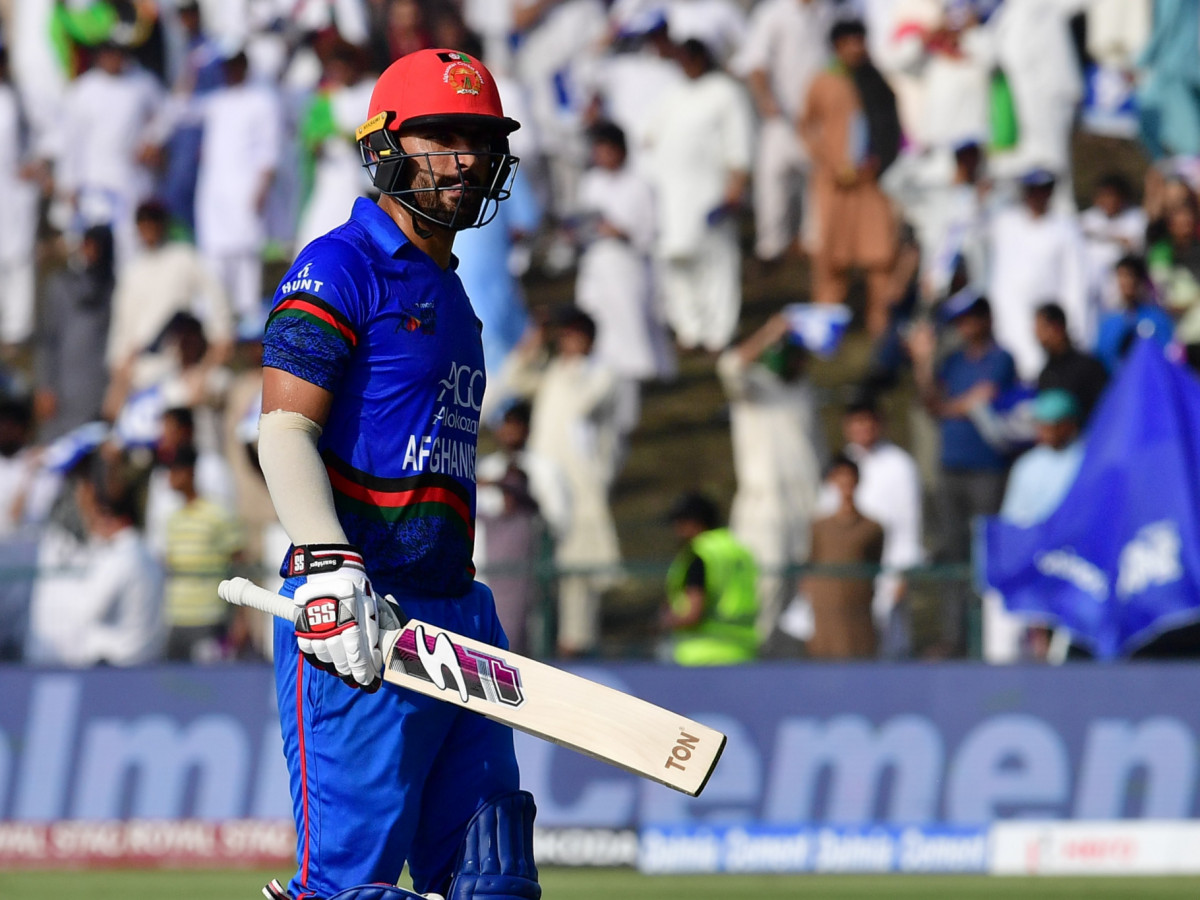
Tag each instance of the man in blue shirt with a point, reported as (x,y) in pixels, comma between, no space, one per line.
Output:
(373,378)
(971,481)
(1139,315)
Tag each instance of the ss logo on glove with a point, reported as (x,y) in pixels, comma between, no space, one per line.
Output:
(321,614)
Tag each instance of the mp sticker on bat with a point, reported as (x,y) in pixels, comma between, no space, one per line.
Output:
(474,674)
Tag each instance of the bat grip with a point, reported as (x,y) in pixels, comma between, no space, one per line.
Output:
(243,592)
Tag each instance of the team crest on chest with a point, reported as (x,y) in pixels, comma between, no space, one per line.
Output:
(422,318)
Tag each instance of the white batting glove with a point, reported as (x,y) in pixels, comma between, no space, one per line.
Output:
(337,615)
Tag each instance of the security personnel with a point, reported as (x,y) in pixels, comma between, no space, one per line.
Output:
(711,589)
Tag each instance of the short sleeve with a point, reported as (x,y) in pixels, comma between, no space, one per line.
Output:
(317,314)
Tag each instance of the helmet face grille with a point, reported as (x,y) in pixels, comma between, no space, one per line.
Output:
(411,179)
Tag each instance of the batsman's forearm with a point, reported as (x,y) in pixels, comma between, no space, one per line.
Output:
(296,478)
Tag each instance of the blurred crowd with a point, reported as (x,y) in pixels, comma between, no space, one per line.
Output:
(159,158)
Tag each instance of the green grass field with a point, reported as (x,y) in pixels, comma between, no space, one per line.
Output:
(563,884)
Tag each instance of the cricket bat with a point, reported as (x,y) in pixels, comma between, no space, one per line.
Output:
(540,699)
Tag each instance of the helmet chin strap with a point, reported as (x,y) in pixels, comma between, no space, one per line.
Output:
(419,226)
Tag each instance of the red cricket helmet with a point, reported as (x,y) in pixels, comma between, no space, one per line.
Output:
(435,85)
(443,88)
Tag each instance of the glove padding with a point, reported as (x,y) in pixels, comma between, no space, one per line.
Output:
(337,614)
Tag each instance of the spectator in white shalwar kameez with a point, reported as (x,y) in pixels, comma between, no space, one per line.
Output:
(1113,227)
(558,39)
(950,217)
(238,157)
(18,224)
(776,450)
(492,21)
(573,424)
(164,279)
(942,65)
(700,170)
(98,600)
(1037,255)
(628,82)
(338,177)
(786,45)
(1031,42)
(889,492)
(1117,31)
(719,24)
(614,282)
(105,134)
(38,69)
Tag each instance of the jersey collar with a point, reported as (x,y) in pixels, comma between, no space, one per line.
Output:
(384,232)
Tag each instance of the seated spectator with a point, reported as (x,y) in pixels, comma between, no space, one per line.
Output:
(573,423)
(99,600)
(1137,315)
(1080,374)
(1113,227)
(73,324)
(201,544)
(712,601)
(971,481)
(843,627)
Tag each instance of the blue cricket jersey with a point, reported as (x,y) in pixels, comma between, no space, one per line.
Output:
(374,320)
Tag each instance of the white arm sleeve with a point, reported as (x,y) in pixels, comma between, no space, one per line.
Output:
(296,478)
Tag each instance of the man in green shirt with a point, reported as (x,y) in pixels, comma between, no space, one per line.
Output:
(711,589)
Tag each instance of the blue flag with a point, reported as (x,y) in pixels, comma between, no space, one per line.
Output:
(1118,562)
(818,327)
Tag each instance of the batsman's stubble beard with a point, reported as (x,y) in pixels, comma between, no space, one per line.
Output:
(440,202)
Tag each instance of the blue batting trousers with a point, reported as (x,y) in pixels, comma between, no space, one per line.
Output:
(381,779)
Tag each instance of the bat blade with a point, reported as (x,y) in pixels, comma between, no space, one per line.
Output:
(557,706)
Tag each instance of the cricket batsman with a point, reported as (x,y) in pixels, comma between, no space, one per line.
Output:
(372,385)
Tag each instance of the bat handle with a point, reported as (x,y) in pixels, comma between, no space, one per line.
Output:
(243,592)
